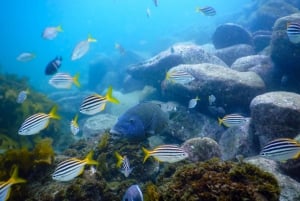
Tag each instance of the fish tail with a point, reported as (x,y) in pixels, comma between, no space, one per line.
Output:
(27,91)
(147,154)
(53,113)
(197,98)
(91,39)
(89,159)
(168,76)
(119,158)
(75,80)
(198,9)
(76,118)
(220,121)
(109,96)
(14,179)
(59,28)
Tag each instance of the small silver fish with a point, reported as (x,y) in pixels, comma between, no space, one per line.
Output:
(51,32)
(26,56)
(211,99)
(74,127)
(193,102)
(124,161)
(208,10)
(22,96)
(82,48)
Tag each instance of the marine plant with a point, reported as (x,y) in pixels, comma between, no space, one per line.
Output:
(13,114)
(219,180)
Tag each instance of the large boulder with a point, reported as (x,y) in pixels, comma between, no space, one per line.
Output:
(285,54)
(261,39)
(232,53)
(260,64)
(275,115)
(231,88)
(153,71)
(237,141)
(288,186)
(201,149)
(230,34)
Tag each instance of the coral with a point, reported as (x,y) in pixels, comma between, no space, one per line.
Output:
(151,193)
(218,180)
(103,143)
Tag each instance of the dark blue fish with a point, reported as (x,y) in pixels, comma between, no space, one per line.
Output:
(140,120)
(208,10)
(53,66)
(133,193)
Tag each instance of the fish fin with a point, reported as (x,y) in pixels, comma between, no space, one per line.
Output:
(27,91)
(102,106)
(119,158)
(76,120)
(197,98)
(59,28)
(147,154)
(91,39)
(53,113)
(198,9)
(220,121)
(89,159)
(7,194)
(75,80)
(109,96)
(14,179)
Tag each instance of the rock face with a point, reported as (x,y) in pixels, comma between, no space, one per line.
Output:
(237,141)
(288,186)
(261,39)
(231,88)
(260,64)
(201,149)
(274,115)
(232,53)
(98,124)
(230,34)
(153,71)
(285,54)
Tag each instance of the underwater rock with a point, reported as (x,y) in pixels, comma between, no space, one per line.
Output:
(291,168)
(267,12)
(153,71)
(97,124)
(289,188)
(261,39)
(231,88)
(275,115)
(285,54)
(201,149)
(219,180)
(237,141)
(230,34)
(260,64)
(184,125)
(232,53)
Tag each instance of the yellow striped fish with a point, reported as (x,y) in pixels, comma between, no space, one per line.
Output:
(96,103)
(232,120)
(64,81)
(281,149)
(166,153)
(37,122)
(5,187)
(71,168)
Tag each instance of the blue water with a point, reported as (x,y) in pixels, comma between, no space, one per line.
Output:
(109,21)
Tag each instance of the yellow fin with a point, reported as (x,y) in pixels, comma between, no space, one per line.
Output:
(89,159)
(91,39)
(14,179)
(220,121)
(75,120)
(119,158)
(109,96)
(59,28)
(147,154)
(53,113)
(75,80)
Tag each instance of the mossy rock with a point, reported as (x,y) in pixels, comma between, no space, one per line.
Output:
(218,180)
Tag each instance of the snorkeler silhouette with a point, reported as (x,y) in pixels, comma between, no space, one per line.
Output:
(53,66)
